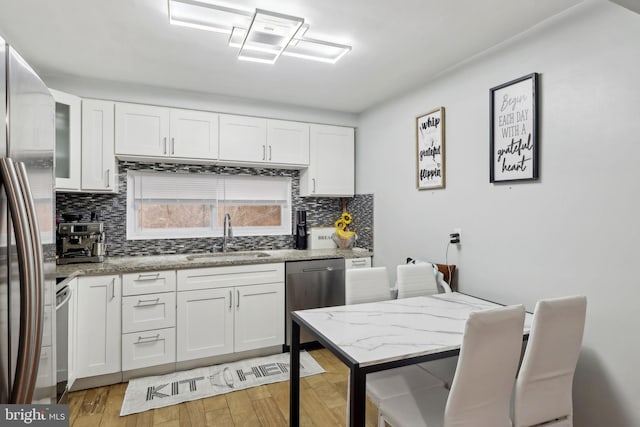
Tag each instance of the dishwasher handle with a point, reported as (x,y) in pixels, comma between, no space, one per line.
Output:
(315,269)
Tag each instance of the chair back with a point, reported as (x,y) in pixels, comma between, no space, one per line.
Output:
(416,280)
(545,383)
(366,285)
(480,394)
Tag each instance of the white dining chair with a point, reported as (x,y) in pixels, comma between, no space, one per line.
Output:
(418,280)
(543,394)
(364,285)
(480,394)
(421,280)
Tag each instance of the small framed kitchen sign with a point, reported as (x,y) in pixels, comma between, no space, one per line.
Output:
(430,149)
(514,130)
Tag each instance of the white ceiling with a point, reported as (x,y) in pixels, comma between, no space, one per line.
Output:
(397,45)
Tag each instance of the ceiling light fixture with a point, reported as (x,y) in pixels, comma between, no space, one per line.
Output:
(261,35)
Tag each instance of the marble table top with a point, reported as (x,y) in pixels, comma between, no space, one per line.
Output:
(393,330)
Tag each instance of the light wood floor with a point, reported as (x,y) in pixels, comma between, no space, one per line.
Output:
(323,403)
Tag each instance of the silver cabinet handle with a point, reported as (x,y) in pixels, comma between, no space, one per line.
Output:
(150,276)
(269,153)
(108,178)
(113,288)
(264,152)
(238,301)
(145,302)
(37,267)
(21,392)
(173,145)
(314,185)
(230,299)
(144,340)
(359,262)
(165,145)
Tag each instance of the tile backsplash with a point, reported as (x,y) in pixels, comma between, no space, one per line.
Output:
(111,209)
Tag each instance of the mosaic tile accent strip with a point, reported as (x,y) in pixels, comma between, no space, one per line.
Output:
(111,209)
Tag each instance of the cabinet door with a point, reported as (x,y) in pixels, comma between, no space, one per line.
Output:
(287,142)
(331,162)
(259,317)
(98,158)
(68,155)
(72,347)
(194,134)
(204,323)
(98,326)
(142,130)
(243,138)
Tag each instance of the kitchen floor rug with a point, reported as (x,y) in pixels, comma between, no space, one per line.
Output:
(164,390)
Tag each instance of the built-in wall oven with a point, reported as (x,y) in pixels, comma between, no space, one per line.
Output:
(63,295)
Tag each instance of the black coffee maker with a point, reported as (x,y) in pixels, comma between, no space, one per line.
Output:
(301,230)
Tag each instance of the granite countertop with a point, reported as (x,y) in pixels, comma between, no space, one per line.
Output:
(132,264)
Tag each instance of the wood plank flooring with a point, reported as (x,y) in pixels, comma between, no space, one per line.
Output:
(323,403)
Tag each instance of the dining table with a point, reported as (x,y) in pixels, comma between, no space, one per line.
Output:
(383,335)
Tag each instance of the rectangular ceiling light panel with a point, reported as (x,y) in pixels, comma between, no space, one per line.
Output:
(207,16)
(269,33)
(317,50)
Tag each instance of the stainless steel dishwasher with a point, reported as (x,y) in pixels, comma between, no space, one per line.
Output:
(312,284)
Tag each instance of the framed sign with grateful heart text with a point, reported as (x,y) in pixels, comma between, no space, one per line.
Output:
(514,130)
(430,149)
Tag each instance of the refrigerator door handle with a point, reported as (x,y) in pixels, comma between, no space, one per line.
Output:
(20,393)
(37,265)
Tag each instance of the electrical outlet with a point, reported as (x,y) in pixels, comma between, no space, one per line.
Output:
(456,236)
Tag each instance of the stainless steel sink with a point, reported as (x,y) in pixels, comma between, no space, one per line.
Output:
(229,255)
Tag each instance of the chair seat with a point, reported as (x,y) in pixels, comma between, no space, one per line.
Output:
(394,382)
(443,369)
(420,408)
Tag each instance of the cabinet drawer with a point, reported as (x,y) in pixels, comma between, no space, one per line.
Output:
(364,262)
(150,348)
(237,275)
(148,282)
(145,312)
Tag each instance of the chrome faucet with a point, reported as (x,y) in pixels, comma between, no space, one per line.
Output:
(228,231)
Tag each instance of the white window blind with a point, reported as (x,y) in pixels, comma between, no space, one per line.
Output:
(177,187)
(256,188)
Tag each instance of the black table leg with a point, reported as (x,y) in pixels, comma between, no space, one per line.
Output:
(357,395)
(294,383)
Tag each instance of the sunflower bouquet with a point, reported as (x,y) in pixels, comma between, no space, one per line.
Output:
(343,237)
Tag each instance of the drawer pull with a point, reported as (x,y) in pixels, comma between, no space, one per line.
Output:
(359,262)
(150,276)
(144,340)
(145,302)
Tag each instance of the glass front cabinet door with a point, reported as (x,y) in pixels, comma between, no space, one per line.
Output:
(68,155)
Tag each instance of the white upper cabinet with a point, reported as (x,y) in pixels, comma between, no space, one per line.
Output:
(287,142)
(99,171)
(257,140)
(142,130)
(331,170)
(194,134)
(148,131)
(243,138)
(67,141)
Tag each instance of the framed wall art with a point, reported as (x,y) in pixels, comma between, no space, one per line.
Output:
(514,130)
(430,150)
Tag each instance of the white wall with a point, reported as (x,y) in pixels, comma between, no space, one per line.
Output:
(574,231)
(119,91)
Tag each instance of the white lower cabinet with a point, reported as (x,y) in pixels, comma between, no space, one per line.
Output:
(148,348)
(204,323)
(98,336)
(215,318)
(148,319)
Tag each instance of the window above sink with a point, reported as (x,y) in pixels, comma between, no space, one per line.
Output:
(170,205)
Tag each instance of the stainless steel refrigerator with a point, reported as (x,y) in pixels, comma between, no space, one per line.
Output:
(27,233)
